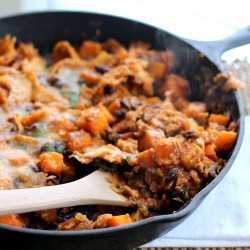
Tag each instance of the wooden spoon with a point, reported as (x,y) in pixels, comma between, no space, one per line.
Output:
(92,189)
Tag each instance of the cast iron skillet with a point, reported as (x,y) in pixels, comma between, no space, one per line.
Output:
(46,28)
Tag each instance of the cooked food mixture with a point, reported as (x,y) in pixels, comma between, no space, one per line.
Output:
(103,105)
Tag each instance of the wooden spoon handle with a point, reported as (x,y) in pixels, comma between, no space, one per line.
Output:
(93,189)
(31,199)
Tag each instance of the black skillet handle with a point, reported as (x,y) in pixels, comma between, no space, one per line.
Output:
(239,38)
(214,49)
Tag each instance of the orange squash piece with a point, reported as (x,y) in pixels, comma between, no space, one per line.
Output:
(119,220)
(225,140)
(197,111)
(191,155)
(176,86)
(219,119)
(150,138)
(146,159)
(106,112)
(62,126)
(51,162)
(90,76)
(93,121)
(89,49)
(191,124)
(12,220)
(158,70)
(36,116)
(210,152)
(78,140)
(168,151)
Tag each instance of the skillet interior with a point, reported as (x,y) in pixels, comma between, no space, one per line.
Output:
(44,29)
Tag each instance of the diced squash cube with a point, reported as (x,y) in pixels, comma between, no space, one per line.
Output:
(93,120)
(198,111)
(37,116)
(146,159)
(106,112)
(176,87)
(219,119)
(210,152)
(158,70)
(78,140)
(225,140)
(51,162)
(89,49)
(191,155)
(150,138)
(62,126)
(191,124)
(168,151)
(12,220)
(119,220)
(90,76)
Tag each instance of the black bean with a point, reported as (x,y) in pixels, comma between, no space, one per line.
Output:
(110,89)
(89,211)
(214,171)
(102,68)
(190,134)
(34,127)
(55,146)
(34,168)
(120,114)
(112,137)
(57,82)
(178,192)
(171,175)
(177,203)
(135,104)
(125,104)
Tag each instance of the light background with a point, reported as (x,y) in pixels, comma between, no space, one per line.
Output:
(195,19)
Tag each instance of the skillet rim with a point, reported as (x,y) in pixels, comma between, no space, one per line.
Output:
(190,206)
